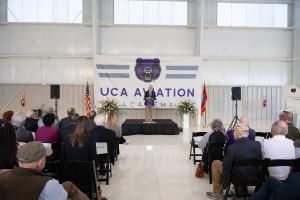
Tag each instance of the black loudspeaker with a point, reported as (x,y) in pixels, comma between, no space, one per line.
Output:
(54,91)
(236,93)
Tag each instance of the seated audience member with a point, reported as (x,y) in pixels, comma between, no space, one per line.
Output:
(274,189)
(216,127)
(31,122)
(18,121)
(48,110)
(278,147)
(8,148)
(28,182)
(91,117)
(214,148)
(241,150)
(102,134)
(69,129)
(67,120)
(293,132)
(245,121)
(47,133)
(113,125)
(80,145)
(6,117)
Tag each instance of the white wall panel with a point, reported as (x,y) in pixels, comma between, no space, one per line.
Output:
(247,42)
(147,40)
(237,72)
(45,39)
(43,70)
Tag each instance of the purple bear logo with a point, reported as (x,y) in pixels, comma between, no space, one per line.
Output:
(147,70)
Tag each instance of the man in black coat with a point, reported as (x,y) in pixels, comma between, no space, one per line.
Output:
(241,150)
(69,129)
(31,122)
(67,120)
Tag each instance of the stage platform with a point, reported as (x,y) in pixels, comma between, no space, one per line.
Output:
(161,127)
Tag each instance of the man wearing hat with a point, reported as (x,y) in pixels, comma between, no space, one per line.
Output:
(28,182)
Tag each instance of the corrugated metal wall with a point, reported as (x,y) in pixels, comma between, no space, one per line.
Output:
(219,103)
(221,106)
(38,97)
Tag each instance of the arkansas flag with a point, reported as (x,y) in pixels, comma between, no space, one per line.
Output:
(204,100)
(23,99)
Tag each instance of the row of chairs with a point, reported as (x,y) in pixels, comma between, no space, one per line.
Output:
(262,167)
(194,147)
(105,156)
(194,150)
(81,173)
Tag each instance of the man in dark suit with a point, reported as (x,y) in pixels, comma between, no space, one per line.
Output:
(241,150)
(69,129)
(101,134)
(149,98)
(31,121)
(67,120)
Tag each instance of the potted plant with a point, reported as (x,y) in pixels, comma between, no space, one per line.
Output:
(186,108)
(109,107)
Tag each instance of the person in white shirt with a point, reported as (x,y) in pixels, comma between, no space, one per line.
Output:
(279,147)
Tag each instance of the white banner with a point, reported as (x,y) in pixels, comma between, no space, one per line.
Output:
(125,78)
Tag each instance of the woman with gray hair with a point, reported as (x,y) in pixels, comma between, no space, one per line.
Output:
(18,121)
(216,126)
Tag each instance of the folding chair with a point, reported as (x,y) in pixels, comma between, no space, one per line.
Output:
(260,136)
(82,174)
(55,147)
(256,181)
(194,146)
(51,169)
(104,159)
(279,163)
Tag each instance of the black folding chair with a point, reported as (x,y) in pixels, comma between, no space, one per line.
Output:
(261,134)
(51,169)
(194,147)
(257,181)
(215,151)
(280,163)
(104,161)
(82,174)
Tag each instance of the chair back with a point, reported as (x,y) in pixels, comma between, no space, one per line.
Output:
(256,166)
(102,148)
(82,174)
(279,163)
(51,169)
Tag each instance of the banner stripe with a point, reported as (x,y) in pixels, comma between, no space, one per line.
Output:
(100,66)
(180,76)
(181,67)
(114,75)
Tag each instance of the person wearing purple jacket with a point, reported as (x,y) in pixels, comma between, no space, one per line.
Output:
(251,136)
(47,133)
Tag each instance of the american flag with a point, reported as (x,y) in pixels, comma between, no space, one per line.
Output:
(87,99)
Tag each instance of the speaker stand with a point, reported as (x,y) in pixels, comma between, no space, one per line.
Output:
(235,118)
(56,109)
